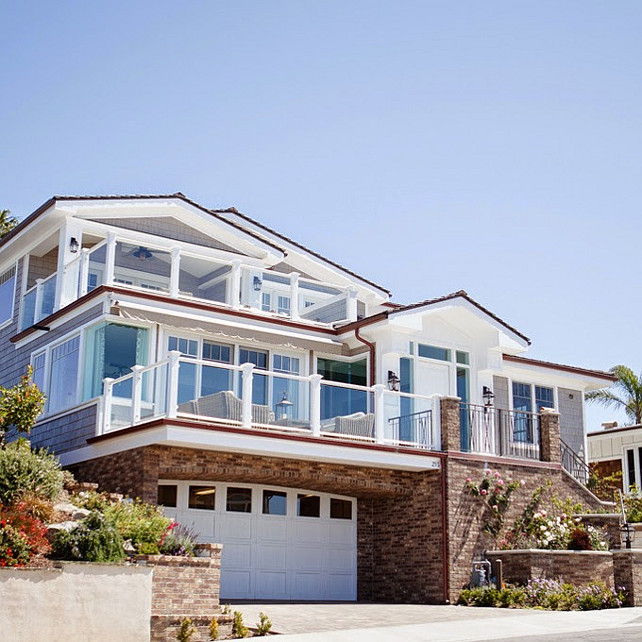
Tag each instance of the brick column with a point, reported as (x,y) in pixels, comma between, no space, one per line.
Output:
(450,423)
(549,435)
(627,572)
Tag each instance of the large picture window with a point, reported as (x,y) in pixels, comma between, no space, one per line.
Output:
(63,377)
(336,402)
(7,294)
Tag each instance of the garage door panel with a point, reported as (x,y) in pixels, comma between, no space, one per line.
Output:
(306,558)
(340,586)
(341,559)
(341,533)
(235,584)
(309,532)
(271,585)
(271,557)
(271,528)
(236,554)
(202,523)
(308,586)
(236,527)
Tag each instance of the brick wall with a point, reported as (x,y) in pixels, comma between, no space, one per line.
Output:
(627,570)
(575,567)
(399,540)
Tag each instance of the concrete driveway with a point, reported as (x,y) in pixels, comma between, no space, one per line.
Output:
(351,622)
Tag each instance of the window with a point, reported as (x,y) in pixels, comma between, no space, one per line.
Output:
(274,502)
(202,497)
(340,508)
(336,402)
(283,304)
(543,398)
(433,352)
(526,400)
(215,379)
(308,505)
(111,351)
(7,294)
(167,494)
(266,302)
(462,357)
(239,500)
(260,383)
(63,375)
(39,370)
(633,469)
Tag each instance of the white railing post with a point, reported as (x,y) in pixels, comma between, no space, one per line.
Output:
(175,271)
(84,272)
(315,404)
(379,390)
(37,313)
(246,393)
(137,393)
(173,370)
(294,296)
(351,304)
(235,285)
(108,384)
(110,258)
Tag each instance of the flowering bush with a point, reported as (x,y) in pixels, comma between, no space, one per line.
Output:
(496,493)
(547,594)
(22,535)
(178,540)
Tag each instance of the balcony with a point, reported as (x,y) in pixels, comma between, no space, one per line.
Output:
(268,402)
(186,275)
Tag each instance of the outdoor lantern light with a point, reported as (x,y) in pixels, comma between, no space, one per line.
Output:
(142,253)
(258,284)
(284,406)
(488,396)
(393,381)
(627,530)
(73,245)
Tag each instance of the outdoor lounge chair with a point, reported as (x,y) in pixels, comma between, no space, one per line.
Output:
(226,405)
(358,424)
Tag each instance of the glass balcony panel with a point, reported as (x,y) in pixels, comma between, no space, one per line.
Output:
(142,267)
(347,411)
(154,392)
(288,402)
(121,404)
(48,297)
(321,303)
(203,279)
(96,267)
(407,420)
(28,309)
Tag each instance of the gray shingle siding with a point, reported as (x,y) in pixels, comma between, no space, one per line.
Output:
(66,432)
(571,418)
(500,388)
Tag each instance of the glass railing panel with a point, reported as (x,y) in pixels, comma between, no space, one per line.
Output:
(28,309)
(321,303)
(203,279)
(120,414)
(96,267)
(154,392)
(347,410)
(288,402)
(211,392)
(142,267)
(48,297)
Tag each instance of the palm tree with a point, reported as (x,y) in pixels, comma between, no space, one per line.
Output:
(625,394)
(7,223)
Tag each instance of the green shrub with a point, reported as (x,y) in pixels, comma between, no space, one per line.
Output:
(186,631)
(178,540)
(14,548)
(142,524)
(264,626)
(95,539)
(239,630)
(24,471)
(20,405)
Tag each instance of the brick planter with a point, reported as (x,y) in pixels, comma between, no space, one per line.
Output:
(627,570)
(575,567)
(185,587)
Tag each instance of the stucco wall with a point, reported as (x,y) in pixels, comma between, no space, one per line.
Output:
(97,602)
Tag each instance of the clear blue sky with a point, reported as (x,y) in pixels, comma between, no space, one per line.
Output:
(432,146)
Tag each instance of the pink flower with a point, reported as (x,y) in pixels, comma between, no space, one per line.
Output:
(488,471)
(484,491)
(500,482)
(468,480)
(496,474)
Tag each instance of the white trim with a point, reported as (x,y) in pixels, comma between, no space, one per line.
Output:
(228,441)
(13,267)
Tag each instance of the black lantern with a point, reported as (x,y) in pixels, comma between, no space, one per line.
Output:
(73,245)
(393,381)
(627,530)
(488,396)
(258,284)
(142,253)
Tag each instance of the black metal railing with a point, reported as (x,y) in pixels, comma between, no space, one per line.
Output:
(415,428)
(508,433)
(574,464)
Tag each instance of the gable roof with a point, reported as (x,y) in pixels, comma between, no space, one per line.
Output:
(599,374)
(233,210)
(428,302)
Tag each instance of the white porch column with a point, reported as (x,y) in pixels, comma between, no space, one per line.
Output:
(246,388)
(294,296)
(351,304)
(175,272)
(315,404)
(84,272)
(172,383)
(37,312)
(110,258)
(235,285)
(108,383)
(137,393)
(379,390)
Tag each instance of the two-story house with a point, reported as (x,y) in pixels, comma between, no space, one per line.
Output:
(272,398)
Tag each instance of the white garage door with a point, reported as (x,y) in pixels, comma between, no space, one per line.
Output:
(278,543)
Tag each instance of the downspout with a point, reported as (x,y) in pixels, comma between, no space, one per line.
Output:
(373,353)
(444,528)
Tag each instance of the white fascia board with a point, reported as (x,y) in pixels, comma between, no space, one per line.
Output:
(183,211)
(549,375)
(215,440)
(405,317)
